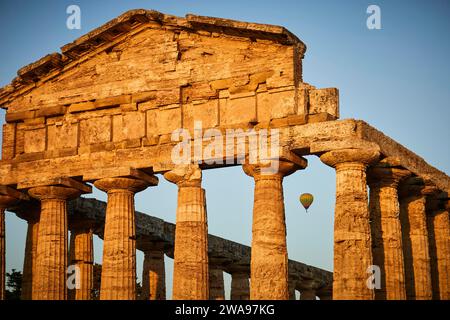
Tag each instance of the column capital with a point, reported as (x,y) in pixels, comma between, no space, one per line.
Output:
(335,158)
(122,184)
(188,175)
(385,176)
(285,168)
(54,192)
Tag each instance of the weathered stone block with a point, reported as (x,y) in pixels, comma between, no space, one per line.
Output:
(80,107)
(51,111)
(205,111)
(150,141)
(143,96)
(112,101)
(35,140)
(163,121)
(38,122)
(276,104)
(320,117)
(128,107)
(19,116)
(130,125)
(95,130)
(302,101)
(8,144)
(238,110)
(324,100)
(62,136)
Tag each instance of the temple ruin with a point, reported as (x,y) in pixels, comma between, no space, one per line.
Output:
(103,112)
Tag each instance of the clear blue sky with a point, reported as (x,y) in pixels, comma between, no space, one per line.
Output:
(396,79)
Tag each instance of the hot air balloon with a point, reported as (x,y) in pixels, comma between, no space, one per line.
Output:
(306,199)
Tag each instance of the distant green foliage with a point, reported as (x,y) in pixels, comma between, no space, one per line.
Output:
(13,285)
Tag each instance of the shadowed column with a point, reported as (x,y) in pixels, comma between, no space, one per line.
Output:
(412,195)
(439,237)
(269,258)
(240,286)
(8,197)
(352,238)
(387,249)
(216,287)
(119,246)
(52,242)
(29,212)
(190,273)
(81,255)
(153,272)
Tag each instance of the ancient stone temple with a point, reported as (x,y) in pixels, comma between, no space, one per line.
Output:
(107,112)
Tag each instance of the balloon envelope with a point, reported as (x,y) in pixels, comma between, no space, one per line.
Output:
(306,199)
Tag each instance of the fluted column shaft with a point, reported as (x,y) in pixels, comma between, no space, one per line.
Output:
(269,258)
(119,246)
(190,273)
(29,274)
(416,248)
(154,275)
(240,286)
(82,256)
(52,242)
(52,251)
(269,267)
(439,226)
(387,248)
(216,286)
(352,236)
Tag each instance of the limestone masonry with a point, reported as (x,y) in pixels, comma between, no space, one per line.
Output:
(102,112)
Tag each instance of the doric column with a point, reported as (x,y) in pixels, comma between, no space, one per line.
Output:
(439,237)
(8,197)
(352,238)
(416,254)
(30,212)
(240,287)
(81,255)
(387,250)
(154,273)
(269,259)
(307,294)
(190,273)
(216,286)
(119,245)
(52,241)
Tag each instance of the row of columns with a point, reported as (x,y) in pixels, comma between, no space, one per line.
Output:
(364,235)
(390,231)
(46,277)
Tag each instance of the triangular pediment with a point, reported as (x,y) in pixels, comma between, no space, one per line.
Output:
(159,35)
